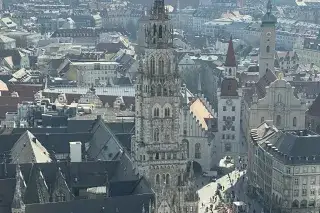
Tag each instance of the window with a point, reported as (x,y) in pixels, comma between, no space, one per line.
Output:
(160,31)
(312,192)
(296,181)
(167,179)
(294,122)
(296,193)
(262,119)
(313,181)
(288,170)
(278,120)
(313,169)
(167,112)
(279,97)
(268,49)
(224,108)
(154,29)
(60,197)
(157,156)
(233,137)
(230,71)
(159,90)
(163,178)
(156,112)
(152,66)
(161,66)
(233,108)
(227,147)
(224,118)
(232,128)
(233,118)
(157,179)
(156,135)
(224,128)
(223,136)
(197,152)
(304,192)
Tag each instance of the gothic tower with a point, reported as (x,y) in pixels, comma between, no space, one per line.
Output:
(157,152)
(267,41)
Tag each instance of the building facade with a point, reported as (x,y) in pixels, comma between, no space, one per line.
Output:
(157,151)
(286,179)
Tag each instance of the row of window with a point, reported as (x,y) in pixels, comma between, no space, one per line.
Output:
(161,67)
(165,156)
(167,112)
(225,118)
(305,169)
(164,180)
(224,128)
(304,192)
(305,181)
(156,135)
(233,108)
(228,136)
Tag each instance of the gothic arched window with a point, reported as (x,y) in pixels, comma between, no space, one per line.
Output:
(197,151)
(268,49)
(230,71)
(167,112)
(278,120)
(159,93)
(161,66)
(160,31)
(154,29)
(279,98)
(167,179)
(165,91)
(163,178)
(156,112)
(153,90)
(157,179)
(156,134)
(152,66)
(294,122)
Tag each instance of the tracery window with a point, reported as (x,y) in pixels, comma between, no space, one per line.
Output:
(167,179)
(157,179)
(156,135)
(156,112)
(167,112)
(160,31)
(294,122)
(161,66)
(197,152)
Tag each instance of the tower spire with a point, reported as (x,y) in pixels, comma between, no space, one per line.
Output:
(269,7)
(230,58)
(199,85)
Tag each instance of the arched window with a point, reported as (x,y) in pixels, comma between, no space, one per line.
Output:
(165,91)
(154,29)
(279,97)
(167,112)
(167,179)
(197,152)
(161,66)
(294,122)
(169,66)
(295,204)
(163,178)
(153,90)
(160,31)
(157,179)
(278,120)
(152,66)
(268,49)
(156,135)
(262,119)
(159,92)
(156,112)
(230,71)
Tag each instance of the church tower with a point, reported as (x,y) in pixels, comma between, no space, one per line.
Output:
(229,109)
(157,151)
(267,41)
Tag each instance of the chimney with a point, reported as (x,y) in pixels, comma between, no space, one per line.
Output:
(76,151)
(34,139)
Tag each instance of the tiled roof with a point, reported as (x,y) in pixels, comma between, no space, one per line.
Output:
(314,109)
(201,112)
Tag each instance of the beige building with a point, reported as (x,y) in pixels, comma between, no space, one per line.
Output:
(284,167)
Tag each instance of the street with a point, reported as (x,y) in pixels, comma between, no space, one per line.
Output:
(237,184)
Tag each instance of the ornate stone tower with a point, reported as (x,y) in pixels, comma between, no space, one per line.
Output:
(157,151)
(267,41)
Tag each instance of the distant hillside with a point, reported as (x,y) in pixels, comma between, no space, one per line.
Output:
(183,3)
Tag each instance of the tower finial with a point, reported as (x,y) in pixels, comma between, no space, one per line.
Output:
(269,6)
(199,85)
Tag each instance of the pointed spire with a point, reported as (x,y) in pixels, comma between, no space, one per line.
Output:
(199,85)
(269,7)
(17,202)
(230,58)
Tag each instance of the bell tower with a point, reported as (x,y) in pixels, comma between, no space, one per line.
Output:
(267,41)
(157,151)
